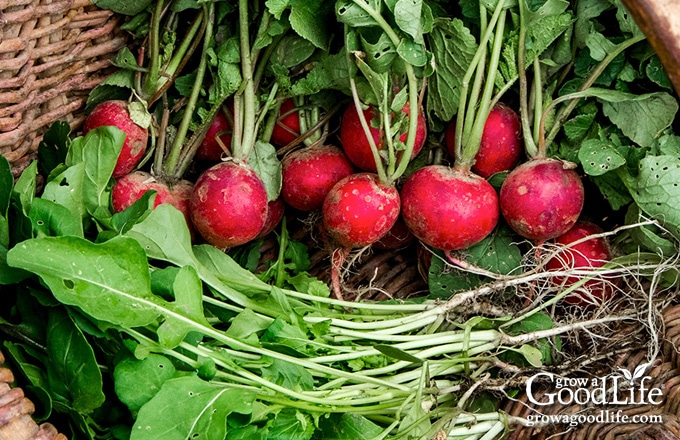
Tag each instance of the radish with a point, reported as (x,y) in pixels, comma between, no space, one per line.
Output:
(448,208)
(542,199)
(587,254)
(355,142)
(287,127)
(310,173)
(217,140)
(500,145)
(275,211)
(116,113)
(229,204)
(359,210)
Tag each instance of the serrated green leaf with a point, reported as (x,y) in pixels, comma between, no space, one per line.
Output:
(453,47)
(268,167)
(407,14)
(498,252)
(598,157)
(656,190)
(412,52)
(290,424)
(288,375)
(309,19)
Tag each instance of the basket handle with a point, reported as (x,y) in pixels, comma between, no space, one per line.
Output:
(659,20)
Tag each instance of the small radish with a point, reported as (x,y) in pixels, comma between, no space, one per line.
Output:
(115,113)
(229,204)
(129,188)
(309,174)
(587,254)
(542,199)
(500,145)
(356,145)
(287,127)
(217,140)
(275,210)
(359,210)
(448,208)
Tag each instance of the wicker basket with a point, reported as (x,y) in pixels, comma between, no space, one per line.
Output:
(52,53)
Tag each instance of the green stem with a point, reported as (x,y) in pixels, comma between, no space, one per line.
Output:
(470,149)
(154,51)
(477,84)
(172,160)
(476,63)
(529,144)
(538,100)
(280,263)
(242,150)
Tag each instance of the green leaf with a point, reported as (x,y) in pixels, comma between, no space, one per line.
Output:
(98,150)
(378,81)
(453,47)
(125,59)
(109,281)
(6,185)
(649,237)
(348,12)
(656,190)
(124,220)
(124,7)
(379,55)
(246,326)
(136,381)
(189,407)
(412,52)
(53,147)
(292,51)
(290,424)
(188,303)
(282,333)
(407,15)
(641,117)
(396,353)
(72,366)
(498,252)
(268,167)
(50,218)
(348,426)
(288,375)
(598,157)
(310,19)
(25,187)
(66,189)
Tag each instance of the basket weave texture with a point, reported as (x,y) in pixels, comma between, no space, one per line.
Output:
(665,374)
(52,53)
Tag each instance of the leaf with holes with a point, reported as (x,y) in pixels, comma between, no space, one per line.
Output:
(656,190)
(109,281)
(190,408)
(136,381)
(497,253)
(598,157)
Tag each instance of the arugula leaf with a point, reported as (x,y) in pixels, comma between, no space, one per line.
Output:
(136,381)
(189,407)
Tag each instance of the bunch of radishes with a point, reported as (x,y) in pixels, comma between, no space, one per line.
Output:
(359,183)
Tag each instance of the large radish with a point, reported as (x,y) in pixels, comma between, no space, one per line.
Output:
(229,204)
(448,208)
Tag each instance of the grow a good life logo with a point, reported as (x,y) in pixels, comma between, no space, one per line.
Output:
(621,389)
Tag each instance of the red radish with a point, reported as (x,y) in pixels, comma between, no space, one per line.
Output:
(275,210)
(542,199)
(359,210)
(500,146)
(356,145)
(309,174)
(588,254)
(398,237)
(448,208)
(229,205)
(217,138)
(115,113)
(287,127)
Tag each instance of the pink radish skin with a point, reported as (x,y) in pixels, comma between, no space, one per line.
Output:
(359,210)
(115,113)
(355,143)
(541,199)
(229,205)
(310,173)
(500,146)
(287,127)
(447,208)
(591,253)
(210,149)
